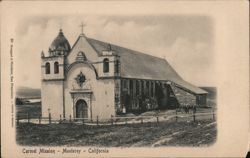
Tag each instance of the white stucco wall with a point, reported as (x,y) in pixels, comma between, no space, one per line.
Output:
(57,89)
(102,97)
(82,45)
(52,94)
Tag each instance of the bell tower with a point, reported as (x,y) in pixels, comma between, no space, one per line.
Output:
(52,74)
(53,64)
(110,63)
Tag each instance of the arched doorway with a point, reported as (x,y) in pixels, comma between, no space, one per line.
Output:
(81,109)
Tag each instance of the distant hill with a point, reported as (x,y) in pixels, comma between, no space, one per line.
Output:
(26,92)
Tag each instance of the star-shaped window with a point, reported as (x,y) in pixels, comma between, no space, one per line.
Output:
(80,79)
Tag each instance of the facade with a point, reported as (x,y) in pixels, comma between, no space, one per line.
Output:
(94,78)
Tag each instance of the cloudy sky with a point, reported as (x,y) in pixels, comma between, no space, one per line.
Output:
(186,42)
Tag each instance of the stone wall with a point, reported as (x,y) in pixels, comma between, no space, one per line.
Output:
(183,97)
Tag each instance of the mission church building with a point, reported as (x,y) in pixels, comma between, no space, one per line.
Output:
(94,78)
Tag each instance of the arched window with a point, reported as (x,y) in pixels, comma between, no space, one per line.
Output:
(47,68)
(117,66)
(56,67)
(105,65)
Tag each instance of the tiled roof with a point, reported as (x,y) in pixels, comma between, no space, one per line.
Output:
(138,65)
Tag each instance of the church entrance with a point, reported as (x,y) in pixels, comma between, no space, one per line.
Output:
(81,109)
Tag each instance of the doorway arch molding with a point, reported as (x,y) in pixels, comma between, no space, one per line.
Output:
(82,95)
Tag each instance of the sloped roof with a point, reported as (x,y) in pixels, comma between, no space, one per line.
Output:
(138,65)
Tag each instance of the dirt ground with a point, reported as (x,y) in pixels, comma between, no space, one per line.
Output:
(185,132)
(200,133)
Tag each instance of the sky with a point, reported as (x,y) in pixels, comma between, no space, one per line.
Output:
(185,41)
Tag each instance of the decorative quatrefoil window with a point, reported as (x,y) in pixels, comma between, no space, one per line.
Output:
(80,79)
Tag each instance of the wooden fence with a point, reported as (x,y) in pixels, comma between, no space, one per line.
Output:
(119,120)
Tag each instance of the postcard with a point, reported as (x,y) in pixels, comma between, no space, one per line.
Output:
(124,78)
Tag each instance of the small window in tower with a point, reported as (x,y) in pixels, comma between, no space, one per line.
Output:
(56,68)
(47,68)
(117,66)
(105,65)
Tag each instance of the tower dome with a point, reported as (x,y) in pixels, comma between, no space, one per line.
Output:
(60,45)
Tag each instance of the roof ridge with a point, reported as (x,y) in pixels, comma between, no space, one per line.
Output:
(74,45)
(150,67)
(134,51)
(92,44)
(173,70)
